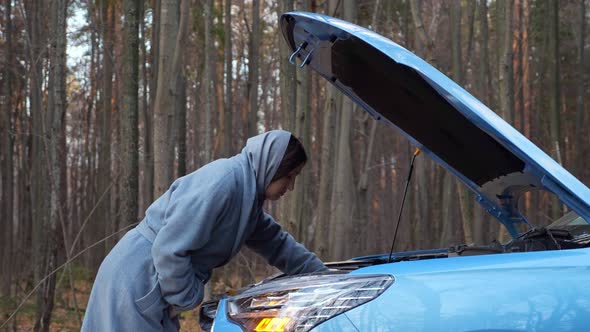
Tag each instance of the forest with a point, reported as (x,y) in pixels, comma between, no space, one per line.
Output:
(103,103)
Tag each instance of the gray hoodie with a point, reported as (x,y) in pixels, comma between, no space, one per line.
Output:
(198,224)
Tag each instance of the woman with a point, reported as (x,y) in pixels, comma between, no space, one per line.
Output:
(160,267)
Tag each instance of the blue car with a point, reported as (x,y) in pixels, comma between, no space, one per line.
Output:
(538,281)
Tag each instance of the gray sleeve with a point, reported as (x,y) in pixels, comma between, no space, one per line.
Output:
(281,250)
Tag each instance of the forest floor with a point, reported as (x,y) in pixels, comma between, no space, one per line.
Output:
(65,317)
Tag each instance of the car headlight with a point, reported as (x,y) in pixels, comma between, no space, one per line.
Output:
(298,304)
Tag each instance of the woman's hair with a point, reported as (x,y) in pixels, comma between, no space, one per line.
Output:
(294,156)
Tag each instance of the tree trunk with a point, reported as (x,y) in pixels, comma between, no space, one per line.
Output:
(322,243)
(149,112)
(228,59)
(465,203)
(288,87)
(92,135)
(322,236)
(528,82)
(483,91)
(421,172)
(421,30)
(505,74)
(56,113)
(129,158)
(369,130)
(164,103)
(297,221)
(519,64)
(505,71)
(287,75)
(6,156)
(581,83)
(104,220)
(253,65)
(448,203)
(39,187)
(343,198)
(527,77)
(456,60)
(208,80)
(146,103)
(179,87)
(484,77)
(553,72)
(471,7)
(181,125)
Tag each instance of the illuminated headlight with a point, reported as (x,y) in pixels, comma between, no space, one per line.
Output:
(300,303)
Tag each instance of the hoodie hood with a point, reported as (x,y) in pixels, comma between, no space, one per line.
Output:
(265,153)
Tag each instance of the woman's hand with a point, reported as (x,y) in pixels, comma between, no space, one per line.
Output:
(171,312)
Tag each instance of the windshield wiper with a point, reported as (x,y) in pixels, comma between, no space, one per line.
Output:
(553,238)
(560,232)
(551,232)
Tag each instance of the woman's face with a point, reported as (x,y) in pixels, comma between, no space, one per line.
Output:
(278,188)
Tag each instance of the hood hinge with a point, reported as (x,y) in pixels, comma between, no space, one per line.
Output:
(299,49)
(502,215)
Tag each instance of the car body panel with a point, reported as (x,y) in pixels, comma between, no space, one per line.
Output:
(491,157)
(222,323)
(340,323)
(534,291)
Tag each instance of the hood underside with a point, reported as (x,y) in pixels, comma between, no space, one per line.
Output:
(437,115)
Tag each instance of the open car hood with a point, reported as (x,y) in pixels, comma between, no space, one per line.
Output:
(396,87)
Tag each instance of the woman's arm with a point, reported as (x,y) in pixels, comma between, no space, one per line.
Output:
(281,250)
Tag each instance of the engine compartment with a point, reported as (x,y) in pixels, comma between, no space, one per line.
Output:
(536,239)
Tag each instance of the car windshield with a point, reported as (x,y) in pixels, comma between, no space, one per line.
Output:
(569,219)
(575,227)
(556,216)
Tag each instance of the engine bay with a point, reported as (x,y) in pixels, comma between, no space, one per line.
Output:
(536,239)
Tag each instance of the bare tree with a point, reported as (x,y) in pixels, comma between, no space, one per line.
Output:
(471,9)
(322,230)
(287,75)
(149,111)
(506,67)
(581,83)
(164,103)
(369,143)
(343,199)
(484,62)
(228,59)
(56,107)
(297,220)
(129,187)
(465,202)
(6,156)
(519,62)
(456,59)
(253,68)
(179,86)
(39,184)
(421,30)
(554,90)
(208,80)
